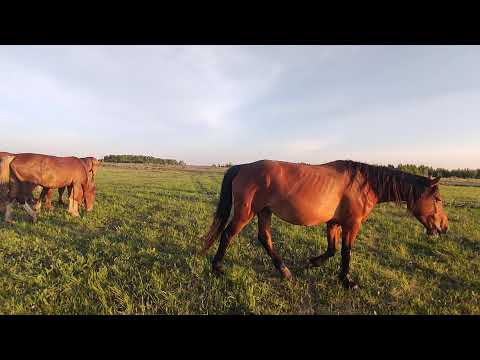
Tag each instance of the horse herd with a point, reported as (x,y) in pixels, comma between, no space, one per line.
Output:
(341,194)
(20,174)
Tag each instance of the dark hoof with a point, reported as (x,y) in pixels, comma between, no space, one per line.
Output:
(349,284)
(286,274)
(218,269)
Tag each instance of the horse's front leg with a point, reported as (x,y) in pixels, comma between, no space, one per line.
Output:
(333,236)
(73,200)
(349,233)
(43,195)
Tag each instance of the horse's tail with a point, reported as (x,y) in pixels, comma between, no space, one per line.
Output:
(224,208)
(5,168)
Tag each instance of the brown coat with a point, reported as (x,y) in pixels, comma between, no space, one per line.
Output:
(341,194)
(23,171)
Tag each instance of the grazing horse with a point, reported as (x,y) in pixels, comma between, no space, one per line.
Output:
(340,193)
(23,172)
(4,189)
(91,164)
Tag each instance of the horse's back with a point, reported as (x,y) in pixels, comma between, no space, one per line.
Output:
(298,193)
(47,170)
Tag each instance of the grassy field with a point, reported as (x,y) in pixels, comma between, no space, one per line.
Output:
(137,254)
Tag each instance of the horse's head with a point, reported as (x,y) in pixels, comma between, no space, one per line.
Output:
(91,165)
(428,209)
(89,193)
(95,166)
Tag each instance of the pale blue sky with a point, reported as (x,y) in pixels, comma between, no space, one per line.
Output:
(211,104)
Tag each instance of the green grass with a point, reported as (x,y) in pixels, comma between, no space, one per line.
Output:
(137,254)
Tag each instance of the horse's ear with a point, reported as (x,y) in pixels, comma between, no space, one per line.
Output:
(434,182)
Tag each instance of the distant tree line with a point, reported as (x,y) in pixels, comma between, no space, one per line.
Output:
(422,170)
(141,159)
(227,165)
(410,168)
(429,171)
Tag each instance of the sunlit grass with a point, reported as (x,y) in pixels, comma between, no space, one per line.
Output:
(137,254)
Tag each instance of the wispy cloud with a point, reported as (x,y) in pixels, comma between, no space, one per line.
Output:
(206,104)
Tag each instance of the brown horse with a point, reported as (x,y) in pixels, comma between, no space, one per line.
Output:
(340,193)
(25,171)
(91,165)
(4,188)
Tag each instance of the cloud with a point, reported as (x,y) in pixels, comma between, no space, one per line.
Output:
(206,104)
(309,149)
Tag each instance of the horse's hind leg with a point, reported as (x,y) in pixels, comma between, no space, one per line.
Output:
(241,217)
(265,238)
(24,195)
(8,211)
(333,236)
(29,210)
(13,191)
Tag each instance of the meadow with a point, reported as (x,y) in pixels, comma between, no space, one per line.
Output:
(137,253)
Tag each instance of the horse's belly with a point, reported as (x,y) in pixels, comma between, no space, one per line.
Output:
(304,212)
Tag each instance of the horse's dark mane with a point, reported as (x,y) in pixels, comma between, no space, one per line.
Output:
(389,184)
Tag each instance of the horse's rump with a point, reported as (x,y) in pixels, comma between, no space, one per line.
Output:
(5,160)
(48,171)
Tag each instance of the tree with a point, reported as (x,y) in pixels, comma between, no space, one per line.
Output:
(141,159)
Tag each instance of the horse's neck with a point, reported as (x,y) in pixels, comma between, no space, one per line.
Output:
(388,195)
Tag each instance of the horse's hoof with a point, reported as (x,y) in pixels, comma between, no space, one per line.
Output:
(349,284)
(286,274)
(218,270)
